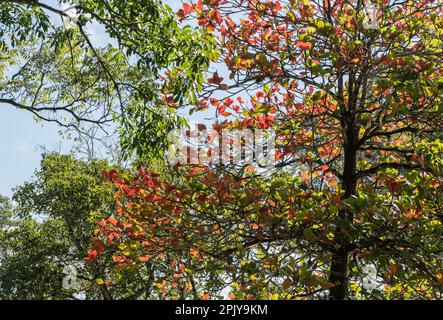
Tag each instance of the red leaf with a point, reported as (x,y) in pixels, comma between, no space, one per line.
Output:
(100,248)
(119,259)
(102,223)
(92,254)
(393,268)
(215,79)
(187,9)
(228,102)
(110,175)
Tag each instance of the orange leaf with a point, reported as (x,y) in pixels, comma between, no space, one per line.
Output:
(113,221)
(205,296)
(324,167)
(194,252)
(332,183)
(304,45)
(144,258)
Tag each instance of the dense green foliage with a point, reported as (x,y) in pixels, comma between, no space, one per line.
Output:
(51,227)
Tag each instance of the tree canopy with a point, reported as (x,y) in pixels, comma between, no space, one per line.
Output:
(52,66)
(357,113)
(350,209)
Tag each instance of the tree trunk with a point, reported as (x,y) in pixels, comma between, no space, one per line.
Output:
(105,293)
(338,273)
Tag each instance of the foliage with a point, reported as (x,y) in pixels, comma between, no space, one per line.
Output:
(207,230)
(51,66)
(357,113)
(51,228)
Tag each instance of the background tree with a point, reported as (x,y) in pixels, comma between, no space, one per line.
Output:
(358,118)
(52,227)
(5,212)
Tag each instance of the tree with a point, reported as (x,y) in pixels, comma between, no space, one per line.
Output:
(357,112)
(29,254)
(52,67)
(49,233)
(5,212)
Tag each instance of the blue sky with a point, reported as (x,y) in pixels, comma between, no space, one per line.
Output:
(22,137)
(20,151)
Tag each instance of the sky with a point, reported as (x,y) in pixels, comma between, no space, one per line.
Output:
(22,139)
(21,145)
